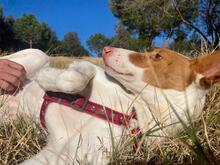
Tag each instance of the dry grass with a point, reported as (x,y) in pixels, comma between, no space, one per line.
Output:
(22,138)
(63,62)
(202,149)
(185,149)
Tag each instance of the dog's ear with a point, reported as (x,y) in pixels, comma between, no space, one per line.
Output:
(209,67)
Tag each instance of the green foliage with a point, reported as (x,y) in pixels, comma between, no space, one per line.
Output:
(195,19)
(6,32)
(125,40)
(27,29)
(122,39)
(185,23)
(149,19)
(209,10)
(97,41)
(181,46)
(48,38)
(1,12)
(71,46)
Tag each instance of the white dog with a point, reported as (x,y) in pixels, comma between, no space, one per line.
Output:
(162,86)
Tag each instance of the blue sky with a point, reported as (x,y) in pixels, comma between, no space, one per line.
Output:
(86,17)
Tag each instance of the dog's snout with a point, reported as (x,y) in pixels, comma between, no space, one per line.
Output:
(107,51)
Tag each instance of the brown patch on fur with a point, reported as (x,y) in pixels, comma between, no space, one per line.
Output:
(209,66)
(164,68)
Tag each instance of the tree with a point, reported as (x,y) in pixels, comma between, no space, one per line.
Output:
(149,19)
(71,46)
(125,40)
(210,16)
(122,39)
(48,37)
(6,31)
(27,29)
(97,42)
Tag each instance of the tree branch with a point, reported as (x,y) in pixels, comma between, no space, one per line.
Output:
(190,24)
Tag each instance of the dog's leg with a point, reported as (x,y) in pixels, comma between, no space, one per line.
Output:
(71,139)
(71,80)
(50,155)
(67,151)
(32,60)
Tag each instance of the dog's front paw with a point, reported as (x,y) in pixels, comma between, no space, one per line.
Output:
(76,77)
(47,78)
(71,81)
(87,69)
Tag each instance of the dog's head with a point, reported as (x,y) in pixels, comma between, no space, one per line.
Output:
(161,68)
(162,78)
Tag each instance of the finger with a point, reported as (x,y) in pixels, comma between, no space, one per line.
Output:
(13,80)
(5,65)
(17,73)
(14,72)
(6,86)
(10,64)
(21,71)
(14,65)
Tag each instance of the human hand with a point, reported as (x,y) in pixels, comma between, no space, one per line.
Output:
(11,75)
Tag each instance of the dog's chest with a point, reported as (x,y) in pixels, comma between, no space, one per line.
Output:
(108,93)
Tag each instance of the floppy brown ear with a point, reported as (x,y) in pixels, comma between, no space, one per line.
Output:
(209,67)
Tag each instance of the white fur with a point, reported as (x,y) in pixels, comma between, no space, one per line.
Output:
(68,128)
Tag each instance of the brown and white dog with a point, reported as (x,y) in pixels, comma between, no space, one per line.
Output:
(163,86)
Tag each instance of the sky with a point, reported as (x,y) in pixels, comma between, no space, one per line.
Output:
(86,17)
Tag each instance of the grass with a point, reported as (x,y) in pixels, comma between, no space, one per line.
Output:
(63,62)
(20,139)
(200,144)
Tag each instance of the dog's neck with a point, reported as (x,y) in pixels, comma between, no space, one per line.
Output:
(152,104)
(106,91)
(165,106)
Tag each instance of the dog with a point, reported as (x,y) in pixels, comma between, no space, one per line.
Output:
(163,87)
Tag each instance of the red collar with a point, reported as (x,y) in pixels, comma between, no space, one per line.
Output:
(82,104)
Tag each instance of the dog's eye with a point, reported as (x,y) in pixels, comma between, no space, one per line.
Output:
(156,57)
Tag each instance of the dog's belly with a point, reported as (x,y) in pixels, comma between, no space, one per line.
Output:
(93,134)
